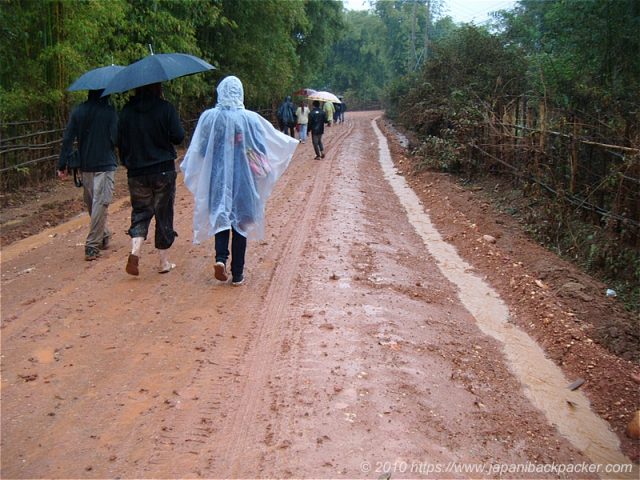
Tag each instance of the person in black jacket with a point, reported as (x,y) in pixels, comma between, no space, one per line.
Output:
(94,124)
(317,119)
(149,128)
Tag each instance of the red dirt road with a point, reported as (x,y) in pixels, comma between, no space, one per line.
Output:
(347,354)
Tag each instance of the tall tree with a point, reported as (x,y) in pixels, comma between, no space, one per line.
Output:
(44,45)
(585,51)
(323,26)
(257,45)
(272,45)
(358,67)
(408,24)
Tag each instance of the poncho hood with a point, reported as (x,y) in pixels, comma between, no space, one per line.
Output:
(230,93)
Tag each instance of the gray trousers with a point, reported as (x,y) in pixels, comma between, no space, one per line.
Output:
(316,139)
(98,194)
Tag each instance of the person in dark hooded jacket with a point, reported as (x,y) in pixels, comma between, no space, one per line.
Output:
(149,128)
(287,117)
(94,124)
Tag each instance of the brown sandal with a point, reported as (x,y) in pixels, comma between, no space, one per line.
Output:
(132,264)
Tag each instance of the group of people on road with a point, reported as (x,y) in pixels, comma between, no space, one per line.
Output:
(232,163)
(304,120)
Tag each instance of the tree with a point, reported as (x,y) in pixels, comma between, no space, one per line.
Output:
(584,52)
(358,67)
(323,26)
(274,46)
(257,45)
(45,45)
(408,24)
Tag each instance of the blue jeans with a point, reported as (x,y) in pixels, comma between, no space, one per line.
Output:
(303,132)
(238,249)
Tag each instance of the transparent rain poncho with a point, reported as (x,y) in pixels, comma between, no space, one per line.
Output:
(232,164)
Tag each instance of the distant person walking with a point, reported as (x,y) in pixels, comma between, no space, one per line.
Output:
(94,124)
(148,130)
(317,119)
(329,110)
(287,117)
(302,116)
(343,108)
(336,113)
(232,164)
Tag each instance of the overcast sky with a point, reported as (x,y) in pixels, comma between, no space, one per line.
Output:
(476,11)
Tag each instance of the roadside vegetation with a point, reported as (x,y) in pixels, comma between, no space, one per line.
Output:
(542,102)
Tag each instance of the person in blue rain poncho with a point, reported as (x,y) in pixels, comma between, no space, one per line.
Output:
(232,164)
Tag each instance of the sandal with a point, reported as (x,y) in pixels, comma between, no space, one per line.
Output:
(132,265)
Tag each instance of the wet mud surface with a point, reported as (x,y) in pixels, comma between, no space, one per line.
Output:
(348,353)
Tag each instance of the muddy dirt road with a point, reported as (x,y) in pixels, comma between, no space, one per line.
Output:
(360,346)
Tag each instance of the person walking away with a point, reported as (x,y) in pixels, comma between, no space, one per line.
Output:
(329,111)
(302,116)
(317,119)
(94,124)
(343,108)
(336,113)
(148,130)
(232,164)
(287,117)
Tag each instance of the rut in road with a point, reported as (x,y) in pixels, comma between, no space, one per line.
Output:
(251,361)
(346,352)
(122,354)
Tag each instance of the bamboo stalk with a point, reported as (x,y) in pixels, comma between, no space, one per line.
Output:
(573,160)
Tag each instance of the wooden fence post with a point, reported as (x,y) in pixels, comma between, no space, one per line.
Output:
(573,159)
(542,121)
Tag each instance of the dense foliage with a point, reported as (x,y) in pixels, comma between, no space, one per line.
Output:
(274,46)
(381,46)
(549,98)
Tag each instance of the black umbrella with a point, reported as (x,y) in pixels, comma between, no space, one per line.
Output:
(95,79)
(155,69)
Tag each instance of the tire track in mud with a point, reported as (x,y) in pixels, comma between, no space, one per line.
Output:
(274,330)
(76,339)
(232,382)
(145,400)
(289,387)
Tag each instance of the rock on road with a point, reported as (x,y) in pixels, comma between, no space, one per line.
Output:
(347,354)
